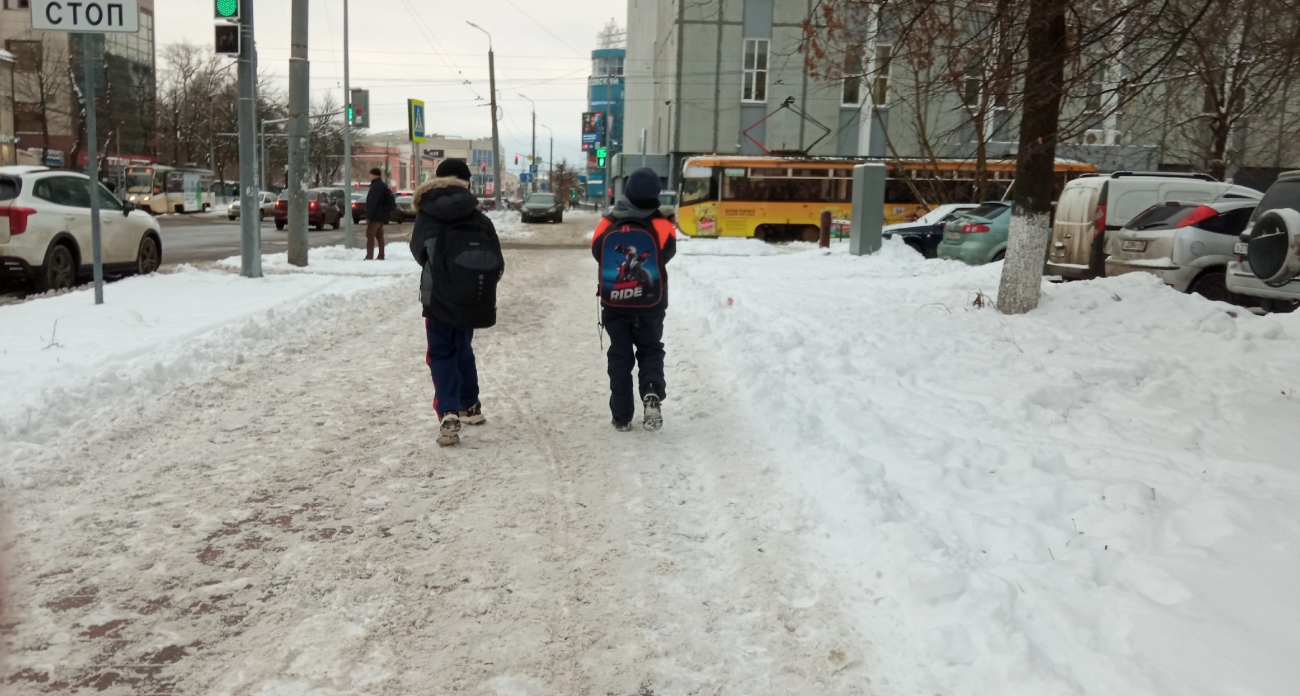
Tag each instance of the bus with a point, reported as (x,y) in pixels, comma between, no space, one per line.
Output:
(782,198)
(158,188)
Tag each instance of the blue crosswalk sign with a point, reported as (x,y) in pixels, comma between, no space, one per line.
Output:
(415,119)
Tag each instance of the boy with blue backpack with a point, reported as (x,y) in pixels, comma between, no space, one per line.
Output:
(633,244)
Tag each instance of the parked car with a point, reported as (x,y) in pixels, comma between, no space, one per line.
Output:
(925,234)
(321,210)
(1094,204)
(1187,245)
(1284,194)
(542,206)
(45,230)
(358,207)
(266,209)
(979,235)
(405,206)
(668,205)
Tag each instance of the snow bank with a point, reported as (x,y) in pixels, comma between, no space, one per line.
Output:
(1098,497)
(336,260)
(63,360)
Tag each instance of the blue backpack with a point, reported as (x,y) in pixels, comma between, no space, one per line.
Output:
(630,274)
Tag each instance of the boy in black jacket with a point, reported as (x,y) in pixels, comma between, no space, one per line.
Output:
(457,246)
(636,334)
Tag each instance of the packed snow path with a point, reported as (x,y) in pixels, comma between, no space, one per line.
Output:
(290,527)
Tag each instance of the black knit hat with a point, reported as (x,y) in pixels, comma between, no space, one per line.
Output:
(642,188)
(453,167)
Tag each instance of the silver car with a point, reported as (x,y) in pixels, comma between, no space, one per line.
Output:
(1186,245)
(267,207)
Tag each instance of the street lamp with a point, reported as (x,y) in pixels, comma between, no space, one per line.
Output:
(532,158)
(496,139)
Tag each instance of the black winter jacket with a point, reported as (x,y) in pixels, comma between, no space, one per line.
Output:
(379,202)
(441,204)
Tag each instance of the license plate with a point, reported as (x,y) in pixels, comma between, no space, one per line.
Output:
(1133,245)
(952,236)
(1240,248)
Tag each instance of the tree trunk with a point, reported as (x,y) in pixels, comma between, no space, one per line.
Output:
(1022,273)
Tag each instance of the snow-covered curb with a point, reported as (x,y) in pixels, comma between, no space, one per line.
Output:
(64,361)
(1095,498)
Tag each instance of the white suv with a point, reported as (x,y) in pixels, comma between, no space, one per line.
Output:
(45,230)
(1285,297)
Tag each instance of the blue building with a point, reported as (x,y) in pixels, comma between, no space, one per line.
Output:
(605,96)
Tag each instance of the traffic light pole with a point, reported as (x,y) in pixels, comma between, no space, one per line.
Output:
(347,136)
(250,227)
(496,140)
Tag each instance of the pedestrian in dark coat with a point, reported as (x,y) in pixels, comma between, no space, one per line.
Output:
(379,206)
(457,246)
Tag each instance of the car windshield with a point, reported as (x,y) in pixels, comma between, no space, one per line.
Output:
(542,199)
(988,211)
(1160,217)
(139,182)
(1282,194)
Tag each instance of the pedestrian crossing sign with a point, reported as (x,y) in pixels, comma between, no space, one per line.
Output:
(415,119)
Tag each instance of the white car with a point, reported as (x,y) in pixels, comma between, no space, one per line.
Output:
(1187,245)
(45,230)
(1284,297)
(267,206)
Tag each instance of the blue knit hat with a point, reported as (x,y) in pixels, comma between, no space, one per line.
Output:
(642,188)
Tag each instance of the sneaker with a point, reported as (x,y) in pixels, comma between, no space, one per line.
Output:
(654,418)
(449,431)
(623,427)
(474,416)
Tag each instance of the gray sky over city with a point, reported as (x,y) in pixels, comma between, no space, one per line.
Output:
(423,49)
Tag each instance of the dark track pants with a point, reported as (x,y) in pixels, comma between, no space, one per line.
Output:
(451,361)
(635,340)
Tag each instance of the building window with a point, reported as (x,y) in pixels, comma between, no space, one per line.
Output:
(27,117)
(754,82)
(851,94)
(16,4)
(880,87)
(27,55)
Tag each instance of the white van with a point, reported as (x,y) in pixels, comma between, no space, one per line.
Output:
(1095,203)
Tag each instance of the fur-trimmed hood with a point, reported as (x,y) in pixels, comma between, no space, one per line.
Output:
(445,198)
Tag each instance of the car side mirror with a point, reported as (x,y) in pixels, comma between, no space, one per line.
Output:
(127,207)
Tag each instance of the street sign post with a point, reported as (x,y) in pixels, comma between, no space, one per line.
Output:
(415,119)
(91,18)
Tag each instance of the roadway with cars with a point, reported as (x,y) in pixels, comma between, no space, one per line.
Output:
(210,237)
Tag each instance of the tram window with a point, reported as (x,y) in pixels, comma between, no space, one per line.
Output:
(696,190)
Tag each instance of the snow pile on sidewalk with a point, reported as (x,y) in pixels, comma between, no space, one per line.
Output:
(64,360)
(336,260)
(1098,497)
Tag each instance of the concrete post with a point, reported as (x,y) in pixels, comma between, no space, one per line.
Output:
(868,208)
(299,132)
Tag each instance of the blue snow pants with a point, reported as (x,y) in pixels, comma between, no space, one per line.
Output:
(451,361)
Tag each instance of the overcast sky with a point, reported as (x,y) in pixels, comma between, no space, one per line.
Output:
(423,49)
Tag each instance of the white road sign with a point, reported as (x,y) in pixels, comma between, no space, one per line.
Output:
(108,16)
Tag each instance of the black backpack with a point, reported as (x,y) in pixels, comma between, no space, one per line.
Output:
(466,265)
(630,274)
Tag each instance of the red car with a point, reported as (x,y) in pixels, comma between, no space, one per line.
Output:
(321,210)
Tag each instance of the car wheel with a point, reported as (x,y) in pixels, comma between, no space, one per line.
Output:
(999,256)
(261,215)
(279,224)
(1213,286)
(915,245)
(337,222)
(206,206)
(559,218)
(148,259)
(1279,306)
(231,217)
(60,269)
(320,225)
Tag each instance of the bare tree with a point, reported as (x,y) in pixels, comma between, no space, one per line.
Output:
(325,155)
(564,180)
(41,88)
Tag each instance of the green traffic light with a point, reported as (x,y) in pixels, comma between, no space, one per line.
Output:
(227,9)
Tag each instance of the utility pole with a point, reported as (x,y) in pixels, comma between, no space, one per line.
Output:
(496,139)
(347,136)
(250,227)
(299,131)
(550,162)
(92,161)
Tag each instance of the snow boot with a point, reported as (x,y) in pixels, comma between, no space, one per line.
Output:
(449,430)
(654,418)
(623,427)
(474,416)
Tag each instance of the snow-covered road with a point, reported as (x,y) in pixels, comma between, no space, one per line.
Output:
(289,527)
